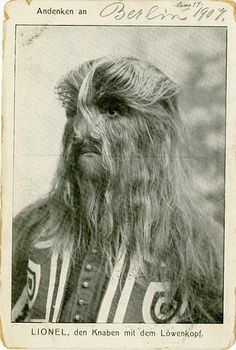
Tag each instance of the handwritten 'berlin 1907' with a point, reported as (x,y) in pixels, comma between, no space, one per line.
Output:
(119,10)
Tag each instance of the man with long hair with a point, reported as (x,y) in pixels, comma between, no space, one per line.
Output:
(121,236)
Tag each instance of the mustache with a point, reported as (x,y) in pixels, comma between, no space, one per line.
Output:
(88,145)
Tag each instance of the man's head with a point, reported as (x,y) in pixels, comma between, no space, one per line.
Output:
(121,182)
(122,136)
(119,108)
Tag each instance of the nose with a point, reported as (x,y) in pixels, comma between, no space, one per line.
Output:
(85,129)
(96,127)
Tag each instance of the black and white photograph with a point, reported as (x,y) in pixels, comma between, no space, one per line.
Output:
(118,175)
(119,196)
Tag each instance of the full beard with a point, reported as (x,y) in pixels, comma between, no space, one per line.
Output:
(122,199)
(108,194)
(89,180)
(115,201)
(92,186)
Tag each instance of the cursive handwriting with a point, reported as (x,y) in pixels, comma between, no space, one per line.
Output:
(118,10)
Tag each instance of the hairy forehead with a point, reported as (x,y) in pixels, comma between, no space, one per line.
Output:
(127,77)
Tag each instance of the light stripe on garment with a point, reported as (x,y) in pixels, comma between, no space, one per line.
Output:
(61,287)
(148,298)
(20,304)
(52,279)
(110,292)
(126,293)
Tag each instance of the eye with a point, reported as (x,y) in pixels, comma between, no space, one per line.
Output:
(112,107)
(113,111)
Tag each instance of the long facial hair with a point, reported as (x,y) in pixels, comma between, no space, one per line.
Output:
(134,193)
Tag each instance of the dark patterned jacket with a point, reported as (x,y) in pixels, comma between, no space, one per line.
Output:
(49,288)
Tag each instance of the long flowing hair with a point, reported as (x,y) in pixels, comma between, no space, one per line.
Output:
(142,201)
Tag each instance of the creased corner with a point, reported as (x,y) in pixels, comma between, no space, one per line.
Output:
(233,339)
(231,3)
(6,14)
(2,335)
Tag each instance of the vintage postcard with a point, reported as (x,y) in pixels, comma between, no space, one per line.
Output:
(118,174)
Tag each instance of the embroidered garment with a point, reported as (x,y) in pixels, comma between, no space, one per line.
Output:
(123,297)
(49,288)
